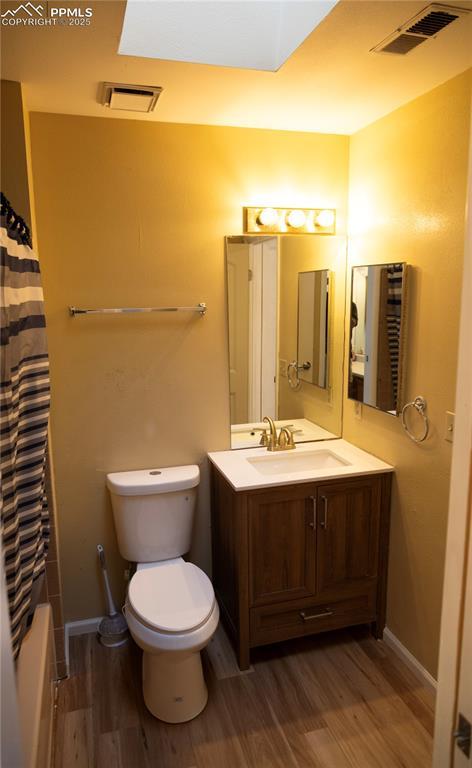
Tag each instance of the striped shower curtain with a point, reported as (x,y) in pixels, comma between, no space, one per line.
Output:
(394,318)
(24,411)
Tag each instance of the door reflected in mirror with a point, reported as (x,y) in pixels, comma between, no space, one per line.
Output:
(252,279)
(377,335)
(313,323)
(285,302)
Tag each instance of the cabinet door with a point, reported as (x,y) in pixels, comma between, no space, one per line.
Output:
(347,535)
(282,530)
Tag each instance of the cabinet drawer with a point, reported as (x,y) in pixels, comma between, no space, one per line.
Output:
(294,618)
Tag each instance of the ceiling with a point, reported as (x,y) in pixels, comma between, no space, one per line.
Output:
(331,83)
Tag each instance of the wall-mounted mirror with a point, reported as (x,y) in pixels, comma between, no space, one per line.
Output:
(377,327)
(285,298)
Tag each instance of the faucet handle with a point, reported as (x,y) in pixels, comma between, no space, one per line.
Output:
(286,440)
(291,440)
(264,438)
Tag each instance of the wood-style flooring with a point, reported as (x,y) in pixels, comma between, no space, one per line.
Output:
(340,700)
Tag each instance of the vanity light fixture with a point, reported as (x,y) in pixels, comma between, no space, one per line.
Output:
(325,218)
(289,221)
(296,218)
(268,217)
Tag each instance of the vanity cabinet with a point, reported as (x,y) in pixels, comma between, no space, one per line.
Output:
(300,559)
(348,540)
(281,543)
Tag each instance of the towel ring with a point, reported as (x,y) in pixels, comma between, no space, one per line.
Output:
(420,404)
(294,380)
(292,373)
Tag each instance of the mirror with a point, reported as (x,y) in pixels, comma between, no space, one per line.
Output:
(285,301)
(313,326)
(377,333)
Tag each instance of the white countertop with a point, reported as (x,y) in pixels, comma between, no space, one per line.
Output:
(304,431)
(243,476)
(358,367)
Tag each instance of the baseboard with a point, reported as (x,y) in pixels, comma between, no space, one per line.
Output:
(411,661)
(83,627)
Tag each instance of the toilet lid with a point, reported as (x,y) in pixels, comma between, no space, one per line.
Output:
(172,597)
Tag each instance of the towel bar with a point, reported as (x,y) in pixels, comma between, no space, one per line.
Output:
(201,308)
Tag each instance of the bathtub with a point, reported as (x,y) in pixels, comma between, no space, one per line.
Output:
(36,671)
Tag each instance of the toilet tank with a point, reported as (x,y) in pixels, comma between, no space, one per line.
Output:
(153,511)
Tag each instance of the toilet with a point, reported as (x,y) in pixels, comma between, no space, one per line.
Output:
(170,607)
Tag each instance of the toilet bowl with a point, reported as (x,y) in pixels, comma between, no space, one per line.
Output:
(170,607)
(172,614)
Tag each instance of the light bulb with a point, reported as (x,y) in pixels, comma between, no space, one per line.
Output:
(296,219)
(325,219)
(268,217)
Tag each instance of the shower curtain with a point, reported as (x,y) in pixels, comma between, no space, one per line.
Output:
(24,413)
(394,318)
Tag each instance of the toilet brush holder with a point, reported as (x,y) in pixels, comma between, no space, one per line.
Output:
(113,629)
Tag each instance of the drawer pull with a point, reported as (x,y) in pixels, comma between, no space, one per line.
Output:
(310,616)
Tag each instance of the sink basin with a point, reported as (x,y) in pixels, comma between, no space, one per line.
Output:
(276,464)
(251,468)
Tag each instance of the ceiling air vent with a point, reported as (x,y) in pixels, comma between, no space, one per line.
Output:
(401,44)
(133,98)
(424,26)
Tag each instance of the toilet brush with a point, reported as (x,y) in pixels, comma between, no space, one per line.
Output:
(113,629)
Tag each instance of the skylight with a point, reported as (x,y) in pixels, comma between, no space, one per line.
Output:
(249,34)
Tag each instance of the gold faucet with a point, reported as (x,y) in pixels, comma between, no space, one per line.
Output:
(282,442)
(286,441)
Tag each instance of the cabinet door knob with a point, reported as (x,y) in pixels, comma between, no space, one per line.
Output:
(312,523)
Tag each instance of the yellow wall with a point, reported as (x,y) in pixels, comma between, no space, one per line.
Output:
(13,170)
(133,213)
(300,254)
(407,203)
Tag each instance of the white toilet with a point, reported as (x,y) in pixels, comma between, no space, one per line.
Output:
(170,607)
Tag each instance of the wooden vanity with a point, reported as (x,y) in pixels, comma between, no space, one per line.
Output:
(300,559)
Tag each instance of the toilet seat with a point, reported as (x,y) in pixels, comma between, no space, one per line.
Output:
(171,596)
